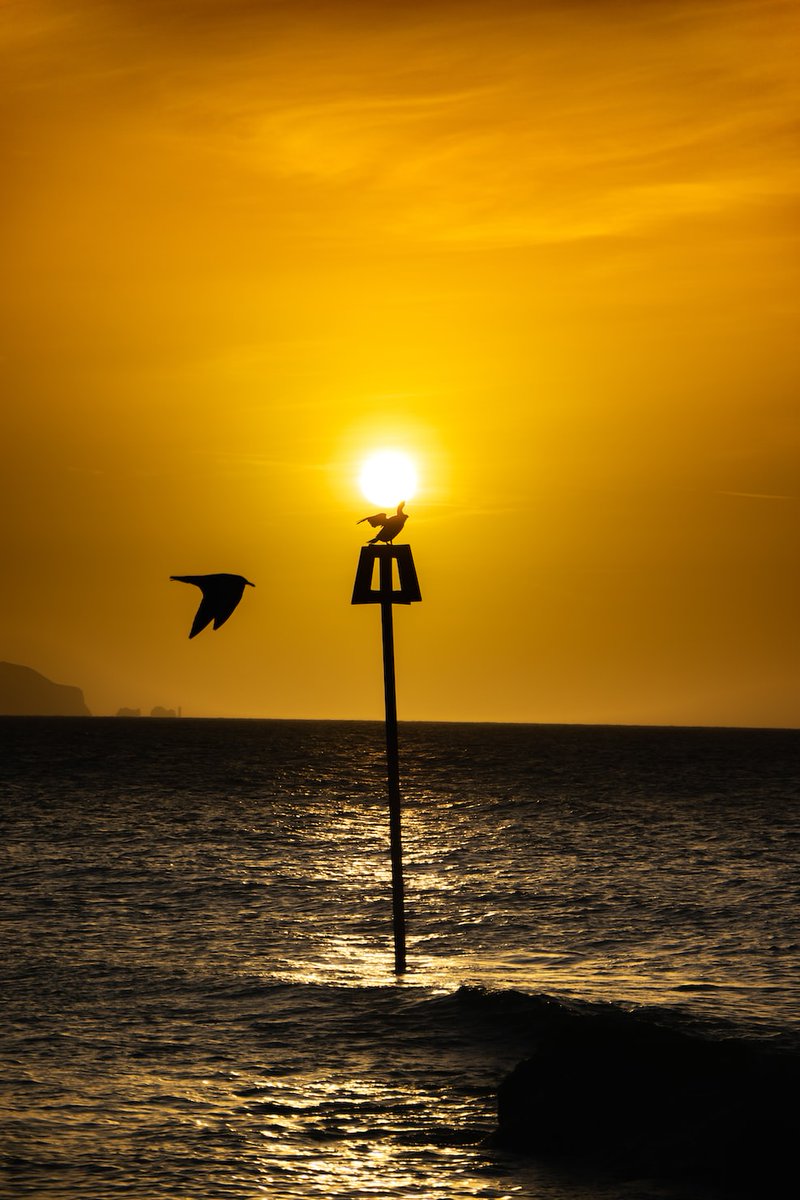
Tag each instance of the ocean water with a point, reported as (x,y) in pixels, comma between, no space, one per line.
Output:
(196,971)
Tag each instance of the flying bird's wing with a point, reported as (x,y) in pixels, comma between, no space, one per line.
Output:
(221,594)
(204,616)
(227,594)
(375,520)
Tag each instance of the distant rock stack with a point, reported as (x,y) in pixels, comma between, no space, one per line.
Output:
(26,693)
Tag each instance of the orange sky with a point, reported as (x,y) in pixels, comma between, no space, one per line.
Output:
(549,249)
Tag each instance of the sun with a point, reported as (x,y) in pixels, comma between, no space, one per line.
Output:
(387,477)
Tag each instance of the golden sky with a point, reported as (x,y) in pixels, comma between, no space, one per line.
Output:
(547,248)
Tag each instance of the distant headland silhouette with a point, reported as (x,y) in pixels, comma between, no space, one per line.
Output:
(26,693)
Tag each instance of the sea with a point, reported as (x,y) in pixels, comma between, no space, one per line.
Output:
(197,975)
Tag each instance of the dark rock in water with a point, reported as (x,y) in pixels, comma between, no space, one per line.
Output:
(129,712)
(643,1100)
(26,693)
(159,711)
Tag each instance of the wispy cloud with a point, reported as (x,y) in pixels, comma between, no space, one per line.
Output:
(755,495)
(441,124)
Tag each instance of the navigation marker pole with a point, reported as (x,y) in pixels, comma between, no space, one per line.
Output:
(386,595)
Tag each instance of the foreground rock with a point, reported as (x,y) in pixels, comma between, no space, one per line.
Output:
(640,1100)
(26,693)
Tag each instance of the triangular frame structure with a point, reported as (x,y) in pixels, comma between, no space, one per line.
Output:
(365,593)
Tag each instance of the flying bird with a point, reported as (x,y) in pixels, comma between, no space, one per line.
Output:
(221,594)
(389,526)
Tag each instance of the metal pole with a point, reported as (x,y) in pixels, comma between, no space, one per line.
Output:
(393,767)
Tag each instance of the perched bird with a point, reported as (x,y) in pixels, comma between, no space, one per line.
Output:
(221,594)
(389,526)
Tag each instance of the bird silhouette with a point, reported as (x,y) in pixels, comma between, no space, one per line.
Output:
(221,594)
(389,526)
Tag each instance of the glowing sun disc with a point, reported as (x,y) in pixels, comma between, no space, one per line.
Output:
(387,477)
